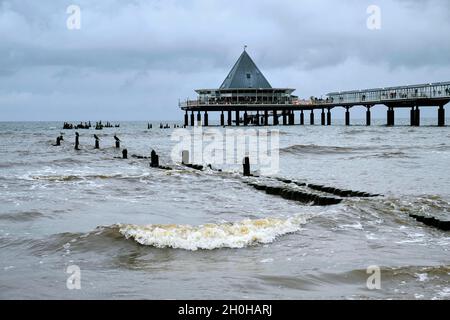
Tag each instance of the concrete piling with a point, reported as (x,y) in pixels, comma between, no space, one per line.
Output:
(124,154)
(186,119)
(302,118)
(206,120)
(230,120)
(275,118)
(246,167)
(391,116)
(222,119)
(347,116)
(417,117)
(266,117)
(245,118)
(237,118)
(322,117)
(192,119)
(284,117)
(441,116)
(329,117)
(311,117)
(368,117)
(412,117)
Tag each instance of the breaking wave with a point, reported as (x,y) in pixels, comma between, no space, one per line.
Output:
(212,236)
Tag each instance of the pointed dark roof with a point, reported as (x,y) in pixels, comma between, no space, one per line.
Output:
(245,74)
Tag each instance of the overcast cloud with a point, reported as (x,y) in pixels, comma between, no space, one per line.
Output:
(133,60)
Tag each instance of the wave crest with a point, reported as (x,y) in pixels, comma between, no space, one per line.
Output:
(212,236)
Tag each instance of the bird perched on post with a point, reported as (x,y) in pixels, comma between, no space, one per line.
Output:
(96,137)
(115,137)
(77,134)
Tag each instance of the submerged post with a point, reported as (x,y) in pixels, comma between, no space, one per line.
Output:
(124,154)
(117,142)
(154,160)
(441,116)
(246,165)
(58,141)
(97,142)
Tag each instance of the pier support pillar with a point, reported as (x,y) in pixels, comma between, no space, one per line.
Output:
(186,120)
(284,118)
(199,118)
(329,117)
(230,120)
(205,119)
(412,117)
(417,117)
(237,118)
(311,117)
(222,119)
(302,118)
(322,117)
(192,119)
(390,116)
(291,118)
(266,117)
(257,119)
(245,118)
(368,117)
(275,118)
(347,116)
(441,116)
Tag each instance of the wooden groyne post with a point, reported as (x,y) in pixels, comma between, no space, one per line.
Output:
(154,159)
(246,167)
(77,141)
(117,142)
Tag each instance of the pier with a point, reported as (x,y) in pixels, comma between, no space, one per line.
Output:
(246,98)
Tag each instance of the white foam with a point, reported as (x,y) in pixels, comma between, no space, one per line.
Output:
(212,236)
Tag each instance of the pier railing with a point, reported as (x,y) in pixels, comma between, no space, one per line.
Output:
(386,95)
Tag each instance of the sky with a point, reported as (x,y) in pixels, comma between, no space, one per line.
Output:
(134,59)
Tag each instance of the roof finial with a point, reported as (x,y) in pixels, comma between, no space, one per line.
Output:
(245,47)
